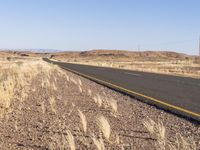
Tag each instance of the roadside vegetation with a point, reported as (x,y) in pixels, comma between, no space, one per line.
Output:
(45,107)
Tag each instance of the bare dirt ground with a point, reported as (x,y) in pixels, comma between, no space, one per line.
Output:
(65,111)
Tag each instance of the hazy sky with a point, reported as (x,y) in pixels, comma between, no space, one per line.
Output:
(100,24)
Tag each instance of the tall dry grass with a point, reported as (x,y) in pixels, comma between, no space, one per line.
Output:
(104,126)
(16,76)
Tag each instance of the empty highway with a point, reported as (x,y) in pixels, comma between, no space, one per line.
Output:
(179,95)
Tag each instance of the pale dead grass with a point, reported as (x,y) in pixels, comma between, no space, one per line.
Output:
(114,106)
(71,141)
(99,143)
(158,131)
(83,120)
(16,77)
(52,104)
(104,126)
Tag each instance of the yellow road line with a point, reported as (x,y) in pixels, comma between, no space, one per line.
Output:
(136,93)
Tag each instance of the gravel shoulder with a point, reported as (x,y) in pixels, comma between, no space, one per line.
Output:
(43,119)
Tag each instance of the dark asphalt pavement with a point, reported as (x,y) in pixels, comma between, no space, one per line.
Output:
(179,95)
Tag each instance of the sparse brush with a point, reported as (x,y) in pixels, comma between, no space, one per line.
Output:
(83,120)
(98,143)
(104,126)
(70,139)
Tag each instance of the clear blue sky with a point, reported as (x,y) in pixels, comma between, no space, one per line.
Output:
(100,24)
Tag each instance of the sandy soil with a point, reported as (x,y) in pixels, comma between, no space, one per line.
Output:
(37,124)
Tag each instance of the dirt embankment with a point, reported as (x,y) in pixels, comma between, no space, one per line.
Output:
(65,111)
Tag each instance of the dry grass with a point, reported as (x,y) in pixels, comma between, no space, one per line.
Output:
(158,131)
(80,89)
(89,92)
(104,126)
(83,120)
(52,104)
(182,143)
(70,139)
(98,100)
(80,82)
(113,104)
(98,143)
(16,77)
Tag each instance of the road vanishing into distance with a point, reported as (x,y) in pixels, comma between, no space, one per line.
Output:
(179,95)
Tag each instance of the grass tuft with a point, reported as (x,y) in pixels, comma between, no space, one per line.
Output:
(104,126)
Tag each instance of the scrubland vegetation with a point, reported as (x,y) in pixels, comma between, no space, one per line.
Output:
(45,107)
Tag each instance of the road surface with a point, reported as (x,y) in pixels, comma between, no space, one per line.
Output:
(179,95)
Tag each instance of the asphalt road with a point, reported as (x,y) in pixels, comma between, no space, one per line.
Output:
(179,95)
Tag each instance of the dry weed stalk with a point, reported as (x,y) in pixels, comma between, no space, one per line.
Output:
(104,126)
(70,139)
(52,104)
(43,107)
(83,120)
